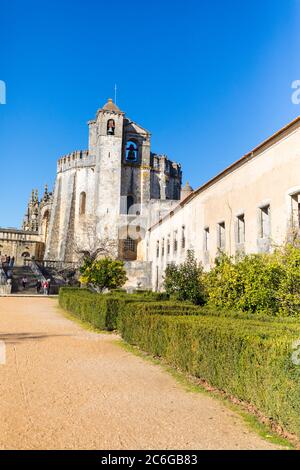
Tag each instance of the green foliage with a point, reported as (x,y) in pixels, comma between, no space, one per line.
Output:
(105,273)
(100,310)
(185,281)
(246,358)
(288,294)
(245,355)
(87,263)
(257,283)
(249,283)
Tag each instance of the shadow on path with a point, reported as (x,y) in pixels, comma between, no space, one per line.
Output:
(12,338)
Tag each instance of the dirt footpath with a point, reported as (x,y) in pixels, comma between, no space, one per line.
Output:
(65,388)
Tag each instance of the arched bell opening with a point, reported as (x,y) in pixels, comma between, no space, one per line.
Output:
(111,127)
(131,151)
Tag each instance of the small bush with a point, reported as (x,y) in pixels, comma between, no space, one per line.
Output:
(184,281)
(105,273)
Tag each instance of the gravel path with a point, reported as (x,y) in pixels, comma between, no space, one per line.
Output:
(65,388)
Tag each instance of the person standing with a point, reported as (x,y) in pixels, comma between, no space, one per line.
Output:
(45,287)
(49,285)
(38,286)
(24,282)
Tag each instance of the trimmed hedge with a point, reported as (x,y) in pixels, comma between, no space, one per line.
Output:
(248,359)
(246,356)
(100,310)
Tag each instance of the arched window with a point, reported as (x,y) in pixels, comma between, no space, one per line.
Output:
(131,151)
(111,127)
(130,202)
(82,203)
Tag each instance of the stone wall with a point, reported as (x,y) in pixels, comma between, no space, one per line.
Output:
(21,245)
(138,274)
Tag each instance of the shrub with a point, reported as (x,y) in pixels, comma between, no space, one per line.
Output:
(248,359)
(184,281)
(249,283)
(257,283)
(288,294)
(105,273)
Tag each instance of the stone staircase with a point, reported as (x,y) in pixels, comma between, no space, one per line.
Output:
(18,273)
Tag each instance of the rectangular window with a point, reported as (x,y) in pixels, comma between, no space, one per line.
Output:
(157,249)
(206,239)
(241,228)
(163,247)
(183,237)
(175,243)
(295,200)
(221,235)
(168,245)
(129,244)
(264,221)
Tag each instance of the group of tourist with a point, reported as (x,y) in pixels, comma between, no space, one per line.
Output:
(41,285)
(44,286)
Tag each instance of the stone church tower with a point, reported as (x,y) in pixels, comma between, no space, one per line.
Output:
(106,197)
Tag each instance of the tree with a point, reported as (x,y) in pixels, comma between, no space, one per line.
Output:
(185,281)
(104,273)
(88,245)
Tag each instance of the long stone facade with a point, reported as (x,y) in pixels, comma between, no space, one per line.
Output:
(250,207)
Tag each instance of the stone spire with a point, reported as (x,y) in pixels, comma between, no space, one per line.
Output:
(111,107)
(186,191)
(30,222)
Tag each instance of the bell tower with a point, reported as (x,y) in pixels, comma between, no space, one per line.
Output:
(106,137)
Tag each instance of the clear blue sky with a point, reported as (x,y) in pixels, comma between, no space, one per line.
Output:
(209,79)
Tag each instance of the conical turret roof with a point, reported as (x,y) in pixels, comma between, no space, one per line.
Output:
(111,106)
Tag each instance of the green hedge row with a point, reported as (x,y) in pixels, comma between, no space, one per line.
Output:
(251,360)
(100,310)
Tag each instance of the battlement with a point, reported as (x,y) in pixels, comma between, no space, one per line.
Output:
(79,158)
(161,163)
